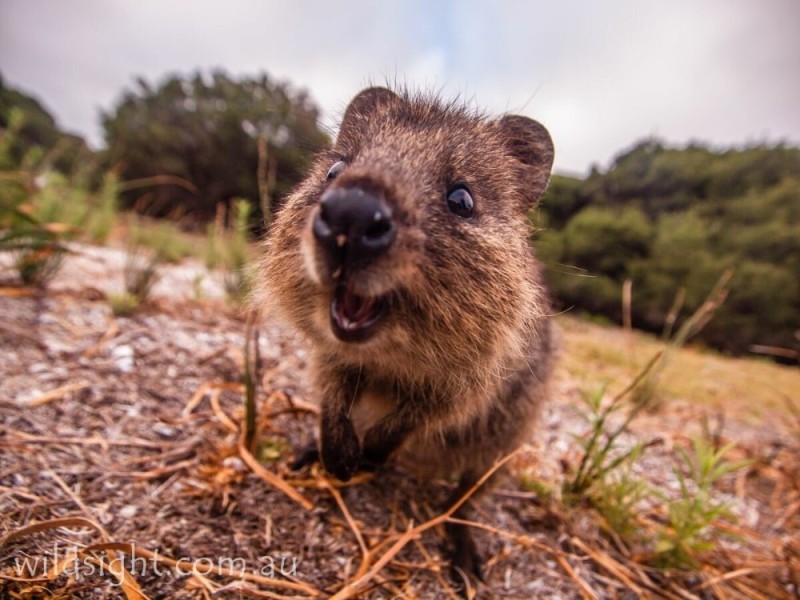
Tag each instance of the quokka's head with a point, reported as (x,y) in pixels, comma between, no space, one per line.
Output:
(408,241)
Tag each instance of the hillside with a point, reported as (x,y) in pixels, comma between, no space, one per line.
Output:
(672,221)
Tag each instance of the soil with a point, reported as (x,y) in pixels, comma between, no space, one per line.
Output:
(130,426)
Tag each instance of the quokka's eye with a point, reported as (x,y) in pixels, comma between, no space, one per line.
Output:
(460,202)
(337,168)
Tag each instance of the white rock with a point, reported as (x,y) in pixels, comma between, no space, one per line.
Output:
(163,430)
(235,463)
(123,358)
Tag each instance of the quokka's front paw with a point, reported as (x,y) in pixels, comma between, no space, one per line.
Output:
(341,452)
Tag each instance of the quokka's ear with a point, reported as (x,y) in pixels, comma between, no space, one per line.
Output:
(362,107)
(531,144)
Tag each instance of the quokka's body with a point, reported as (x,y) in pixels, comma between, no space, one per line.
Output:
(404,259)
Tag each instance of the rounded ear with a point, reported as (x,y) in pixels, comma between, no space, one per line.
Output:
(531,144)
(362,107)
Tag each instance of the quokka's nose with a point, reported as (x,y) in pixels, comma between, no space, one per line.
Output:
(353,226)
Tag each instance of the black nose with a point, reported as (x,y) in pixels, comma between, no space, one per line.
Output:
(353,226)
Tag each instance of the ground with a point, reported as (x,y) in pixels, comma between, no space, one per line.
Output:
(129,428)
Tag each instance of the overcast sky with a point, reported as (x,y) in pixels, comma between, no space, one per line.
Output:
(599,75)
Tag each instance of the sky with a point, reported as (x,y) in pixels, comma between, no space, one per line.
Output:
(599,75)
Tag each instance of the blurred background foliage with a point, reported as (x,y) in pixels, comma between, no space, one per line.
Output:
(193,148)
(676,218)
(204,131)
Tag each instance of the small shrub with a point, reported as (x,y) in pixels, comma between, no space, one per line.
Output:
(71,201)
(604,479)
(618,501)
(41,208)
(689,529)
(38,265)
(37,247)
(213,246)
(229,249)
(238,279)
(123,304)
(603,451)
(528,483)
(140,273)
(272,450)
(105,211)
(163,238)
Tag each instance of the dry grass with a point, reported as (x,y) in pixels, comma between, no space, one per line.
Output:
(751,388)
(150,463)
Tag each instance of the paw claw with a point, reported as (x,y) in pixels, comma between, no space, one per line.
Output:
(342,460)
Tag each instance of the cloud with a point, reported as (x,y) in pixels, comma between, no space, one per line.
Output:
(599,75)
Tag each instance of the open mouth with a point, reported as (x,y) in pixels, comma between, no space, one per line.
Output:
(355,318)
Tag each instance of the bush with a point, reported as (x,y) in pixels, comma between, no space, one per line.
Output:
(674,219)
(191,142)
(762,308)
(604,241)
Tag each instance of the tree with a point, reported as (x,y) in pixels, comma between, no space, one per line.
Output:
(33,129)
(604,241)
(203,132)
(676,218)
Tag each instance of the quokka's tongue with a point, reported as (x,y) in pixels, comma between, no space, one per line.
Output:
(355,311)
(354,316)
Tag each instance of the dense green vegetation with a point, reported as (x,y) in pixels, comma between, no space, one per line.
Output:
(181,148)
(40,207)
(669,219)
(203,132)
(36,136)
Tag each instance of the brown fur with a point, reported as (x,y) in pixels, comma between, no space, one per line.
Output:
(457,371)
